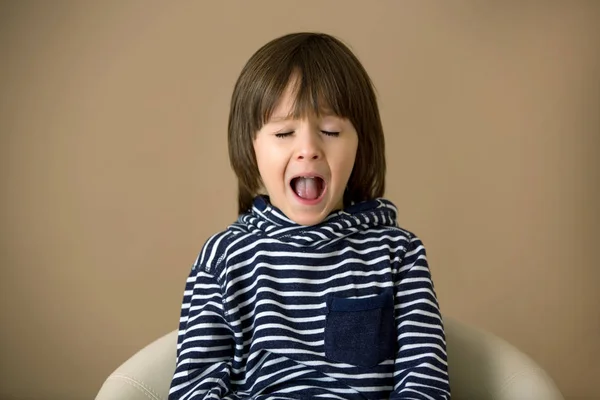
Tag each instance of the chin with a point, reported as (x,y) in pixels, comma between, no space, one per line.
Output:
(307,220)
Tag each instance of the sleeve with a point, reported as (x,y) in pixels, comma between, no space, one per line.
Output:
(421,368)
(205,344)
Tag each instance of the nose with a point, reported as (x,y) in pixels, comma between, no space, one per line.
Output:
(309,146)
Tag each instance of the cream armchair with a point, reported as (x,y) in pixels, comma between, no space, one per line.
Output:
(481,366)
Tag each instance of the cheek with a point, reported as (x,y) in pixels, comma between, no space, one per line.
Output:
(261,152)
(348,156)
(268,161)
(349,166)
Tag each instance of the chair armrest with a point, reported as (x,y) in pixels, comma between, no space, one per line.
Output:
(146,375)
(483,366)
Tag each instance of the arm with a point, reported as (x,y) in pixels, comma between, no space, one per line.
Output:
(205,342)
(421,369)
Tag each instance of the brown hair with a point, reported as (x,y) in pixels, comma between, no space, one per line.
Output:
(327,75)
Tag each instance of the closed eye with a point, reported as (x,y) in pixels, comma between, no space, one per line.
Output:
(286,134)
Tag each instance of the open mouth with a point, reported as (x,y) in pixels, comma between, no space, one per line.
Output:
(308,187)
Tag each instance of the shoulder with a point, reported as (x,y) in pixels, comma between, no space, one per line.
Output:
(405,244)
(403,241)
(215,249)
(395,229)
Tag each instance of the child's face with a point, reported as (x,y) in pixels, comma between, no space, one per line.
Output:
(305,164)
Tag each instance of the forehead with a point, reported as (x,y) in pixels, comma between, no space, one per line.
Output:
(292,104)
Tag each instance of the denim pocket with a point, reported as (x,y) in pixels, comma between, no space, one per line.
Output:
(361,331)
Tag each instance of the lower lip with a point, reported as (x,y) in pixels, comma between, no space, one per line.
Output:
(309,202)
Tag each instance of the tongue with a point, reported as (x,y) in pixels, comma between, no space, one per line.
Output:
(307,188)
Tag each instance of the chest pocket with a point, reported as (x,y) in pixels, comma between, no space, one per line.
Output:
(361,332)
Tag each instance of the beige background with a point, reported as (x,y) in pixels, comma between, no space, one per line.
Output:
(114,167)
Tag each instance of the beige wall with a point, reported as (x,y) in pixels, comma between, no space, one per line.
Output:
(114,167)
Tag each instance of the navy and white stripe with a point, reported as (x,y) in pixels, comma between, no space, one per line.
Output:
(255,320)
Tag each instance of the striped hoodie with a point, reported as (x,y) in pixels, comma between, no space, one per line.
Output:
(345,309)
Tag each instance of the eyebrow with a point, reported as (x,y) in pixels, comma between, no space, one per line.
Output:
(282,118)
